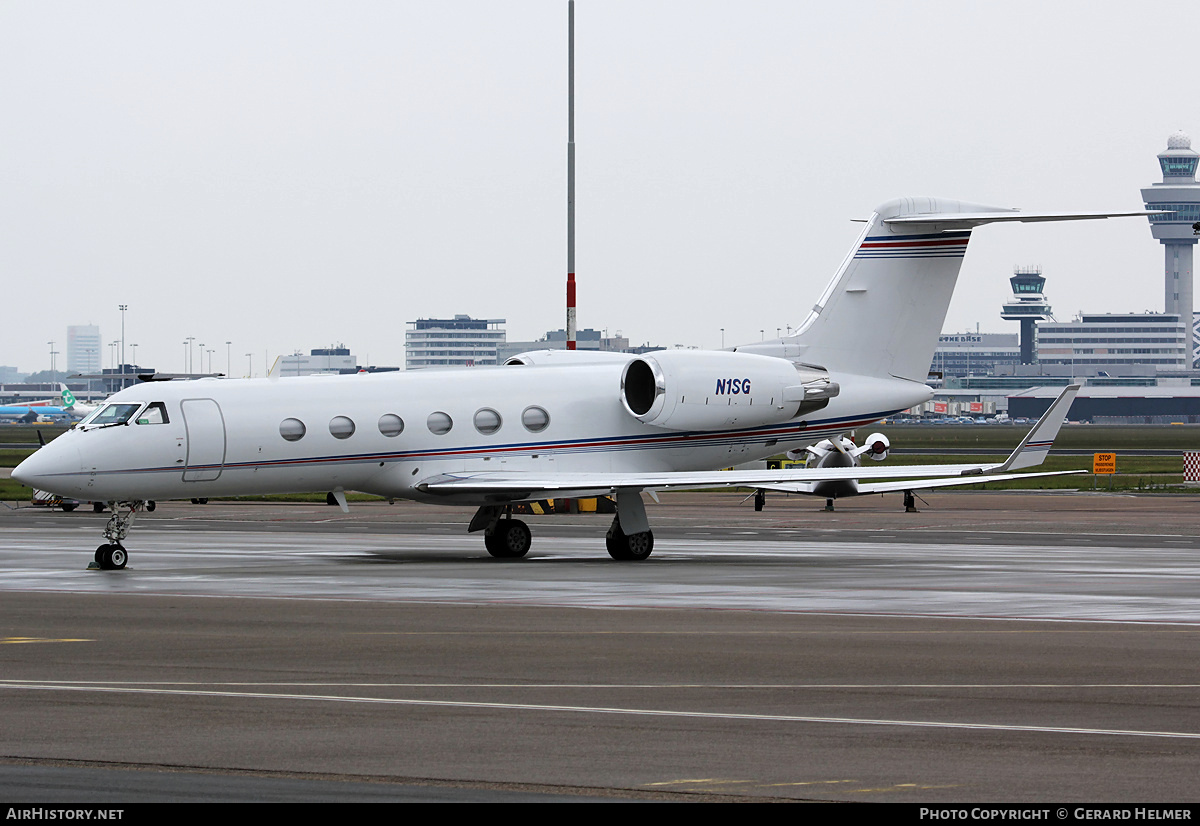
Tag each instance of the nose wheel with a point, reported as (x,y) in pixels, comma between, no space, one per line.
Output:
(111,557)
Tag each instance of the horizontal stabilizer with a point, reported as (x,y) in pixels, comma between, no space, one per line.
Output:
(969,220)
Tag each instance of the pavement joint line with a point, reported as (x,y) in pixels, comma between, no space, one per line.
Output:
(606,710)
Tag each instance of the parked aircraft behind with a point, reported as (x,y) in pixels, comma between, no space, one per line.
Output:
(74,407)
(550,425)
(32,414)
(842,452)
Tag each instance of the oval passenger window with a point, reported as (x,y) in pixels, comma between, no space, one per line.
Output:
(292,429)
(391,425)
(439,423)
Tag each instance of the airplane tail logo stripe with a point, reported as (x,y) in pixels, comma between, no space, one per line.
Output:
(946,245)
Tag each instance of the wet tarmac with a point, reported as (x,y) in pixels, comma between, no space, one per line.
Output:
(1007,647)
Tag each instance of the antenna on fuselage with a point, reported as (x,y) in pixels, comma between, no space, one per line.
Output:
(570,174)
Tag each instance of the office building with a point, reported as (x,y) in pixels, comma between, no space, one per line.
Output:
(461,341)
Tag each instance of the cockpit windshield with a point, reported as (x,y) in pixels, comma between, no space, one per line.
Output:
(112,414)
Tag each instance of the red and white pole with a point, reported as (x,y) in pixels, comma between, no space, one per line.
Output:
(571,175)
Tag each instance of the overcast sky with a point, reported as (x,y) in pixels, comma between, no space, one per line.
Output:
(287,175)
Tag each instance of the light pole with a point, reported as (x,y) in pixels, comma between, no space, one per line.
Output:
(134,346)
(188,342)
(249,365)
(53,353)
(91,354)
(228,360)
(122,308)
(722,338)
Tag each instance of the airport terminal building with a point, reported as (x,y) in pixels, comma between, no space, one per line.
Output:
(1115,342)
(461,341)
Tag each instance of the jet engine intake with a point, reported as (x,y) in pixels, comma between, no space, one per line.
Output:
(876,446)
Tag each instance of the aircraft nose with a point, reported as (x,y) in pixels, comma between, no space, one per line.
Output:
(52,468)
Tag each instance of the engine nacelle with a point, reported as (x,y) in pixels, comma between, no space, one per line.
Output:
(876,446)
(705,390)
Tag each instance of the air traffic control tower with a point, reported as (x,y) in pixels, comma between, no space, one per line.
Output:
(1180,193)
(1027,306)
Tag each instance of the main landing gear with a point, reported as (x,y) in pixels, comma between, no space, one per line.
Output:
(629,538)
(112,555)
(632,547)
(507,538)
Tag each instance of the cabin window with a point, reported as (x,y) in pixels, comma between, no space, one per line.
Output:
(391,425)
(341,427)
(292,429)
(439,423)
(535,419)
(487,421)
(155,413)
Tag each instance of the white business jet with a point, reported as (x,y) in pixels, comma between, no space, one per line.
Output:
(841,452)
(550,424)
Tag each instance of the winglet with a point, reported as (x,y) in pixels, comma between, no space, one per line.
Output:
(1037,442)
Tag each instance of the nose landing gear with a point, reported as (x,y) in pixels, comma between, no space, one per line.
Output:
(112,556)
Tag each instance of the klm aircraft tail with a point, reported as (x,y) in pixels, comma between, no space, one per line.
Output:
(882,313)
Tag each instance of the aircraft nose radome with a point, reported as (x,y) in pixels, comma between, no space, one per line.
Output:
(44,470)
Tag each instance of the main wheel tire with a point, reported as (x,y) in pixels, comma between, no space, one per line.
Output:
(69,508)
(628,547)
(97,507)
(639,545)
(150,506)
(510,539)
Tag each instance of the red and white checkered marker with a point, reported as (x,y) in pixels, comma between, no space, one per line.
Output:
(1191,466)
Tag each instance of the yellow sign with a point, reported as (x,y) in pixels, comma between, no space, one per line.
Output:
(1104,463)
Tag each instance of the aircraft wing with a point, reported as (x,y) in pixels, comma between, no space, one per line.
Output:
(925,483)
(517,486)
(502,486)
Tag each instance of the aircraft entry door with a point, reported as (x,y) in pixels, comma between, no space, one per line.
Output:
(205,440)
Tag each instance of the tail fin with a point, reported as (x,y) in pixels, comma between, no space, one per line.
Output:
(1037,442)
(883,311)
